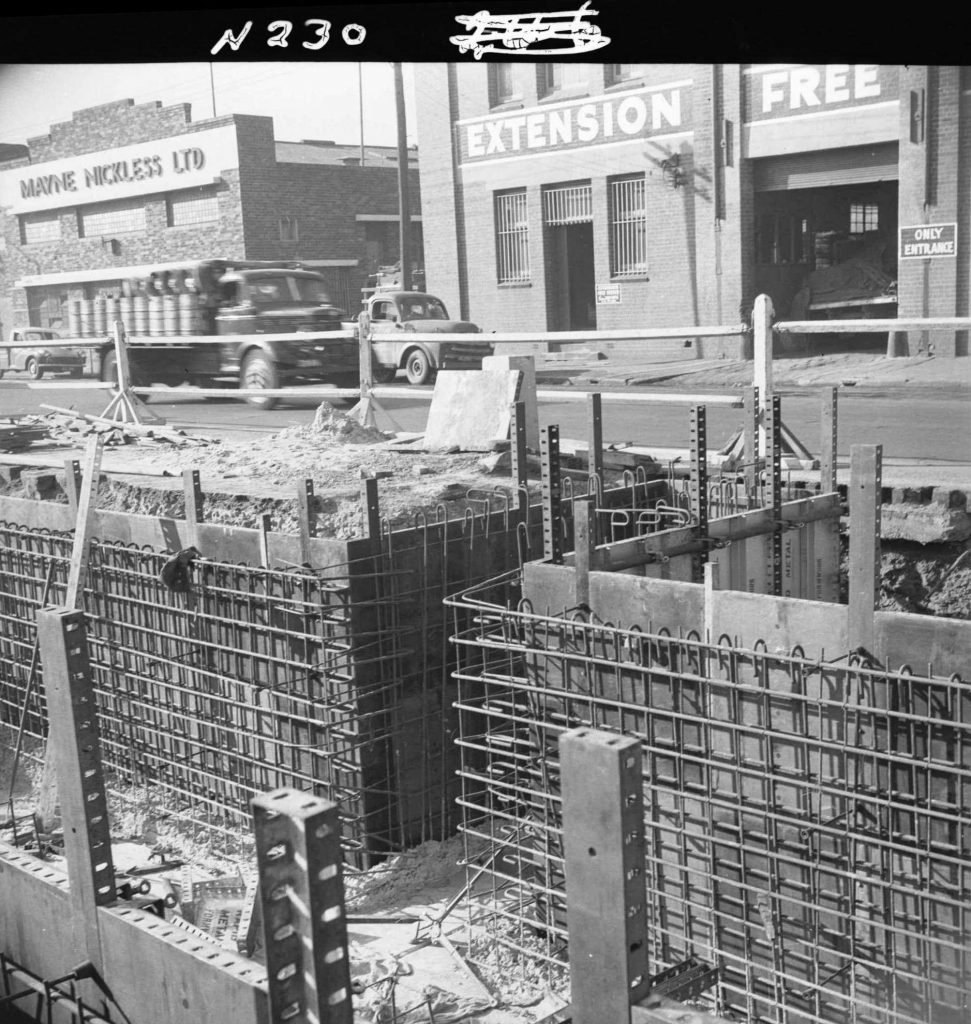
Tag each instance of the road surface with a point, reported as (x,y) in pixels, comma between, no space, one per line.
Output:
(923,427)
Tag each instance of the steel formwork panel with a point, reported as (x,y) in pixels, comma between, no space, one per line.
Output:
(808,823)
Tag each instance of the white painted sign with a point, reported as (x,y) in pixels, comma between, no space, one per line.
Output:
(926,241)
(608,294)
(649,112)
(163,165)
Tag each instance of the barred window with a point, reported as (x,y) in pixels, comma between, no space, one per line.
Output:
(512,237)
(192,208)
(40,229)
(289,230)
(113,219)
(628,226)
(864,217)
(501,84)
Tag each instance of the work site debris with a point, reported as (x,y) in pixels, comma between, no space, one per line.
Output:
(68,426)
(18,433)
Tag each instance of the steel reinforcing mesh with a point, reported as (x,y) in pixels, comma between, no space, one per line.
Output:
(808,824)
(250,682)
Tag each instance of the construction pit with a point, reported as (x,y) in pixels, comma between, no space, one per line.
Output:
(409,635)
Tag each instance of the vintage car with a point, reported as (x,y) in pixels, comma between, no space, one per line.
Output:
(36,359)
(396,314)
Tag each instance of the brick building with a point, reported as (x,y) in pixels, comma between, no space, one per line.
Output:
(122,186)
(576,196)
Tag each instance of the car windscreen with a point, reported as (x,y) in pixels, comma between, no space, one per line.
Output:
(426,308)
(267,289)
(311,289)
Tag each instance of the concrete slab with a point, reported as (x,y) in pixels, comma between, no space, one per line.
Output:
(471,409)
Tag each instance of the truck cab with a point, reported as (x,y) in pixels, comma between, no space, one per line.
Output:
(396,314)
(266,302)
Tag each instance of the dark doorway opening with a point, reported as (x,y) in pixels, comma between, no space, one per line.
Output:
(571,286)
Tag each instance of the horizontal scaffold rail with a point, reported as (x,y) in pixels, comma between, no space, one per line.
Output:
(935,323)
(323,391)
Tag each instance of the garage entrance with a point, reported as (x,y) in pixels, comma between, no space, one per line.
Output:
(826,233)
(568,246)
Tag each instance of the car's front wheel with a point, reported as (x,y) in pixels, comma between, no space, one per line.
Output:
(418,367)
(34,370)
(259,371)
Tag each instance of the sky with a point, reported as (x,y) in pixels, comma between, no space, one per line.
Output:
(305,100)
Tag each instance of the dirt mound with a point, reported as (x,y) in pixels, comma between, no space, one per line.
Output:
(331,423)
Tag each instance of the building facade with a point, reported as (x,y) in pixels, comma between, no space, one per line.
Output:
(597,196)
(123,186)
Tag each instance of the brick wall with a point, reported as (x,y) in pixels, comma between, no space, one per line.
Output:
(933,190)
(324,199)
(683,233)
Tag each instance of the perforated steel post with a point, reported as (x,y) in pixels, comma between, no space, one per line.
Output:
(302,901)
(773,453)
(308,525)
(74,739)
(604,856)
(595,438)
(194,502)
(827,448)
(520,467)
(549,453)
(698,484)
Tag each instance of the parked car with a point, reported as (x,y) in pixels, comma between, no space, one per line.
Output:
(35,359)
(401,313)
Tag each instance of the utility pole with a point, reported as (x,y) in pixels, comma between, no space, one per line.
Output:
(404,206)
(212,87)
(360,107)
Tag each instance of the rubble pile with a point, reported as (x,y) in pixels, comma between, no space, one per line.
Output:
(67,426)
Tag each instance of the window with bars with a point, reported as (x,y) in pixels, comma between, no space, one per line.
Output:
(192,208)
(624,72)
(512,237)
(628,226)
(864,217)
(40,229)
(289,229)
(502,87)
(568,204)
(113,219)
(553,78)
(781,239)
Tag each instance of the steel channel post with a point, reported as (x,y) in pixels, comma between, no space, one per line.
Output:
(604,858)
(595,446)
(301,892)
(773,451)
(308,525)
(73,480)
(827,447)
(549,450)
(519,464)
(73,715)
(372,510)
(866,468)
(194,503)
(698,484)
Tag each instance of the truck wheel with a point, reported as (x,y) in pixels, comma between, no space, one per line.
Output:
(34,369)
(259,372)
(418,367)
(109,373)
(384,374)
